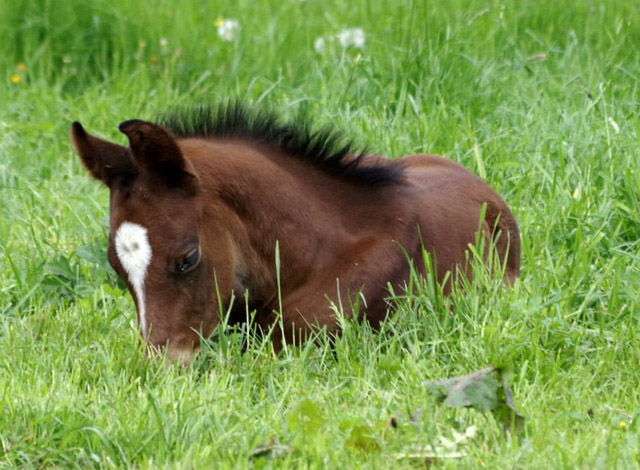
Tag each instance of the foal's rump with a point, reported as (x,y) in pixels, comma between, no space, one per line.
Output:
(450,204)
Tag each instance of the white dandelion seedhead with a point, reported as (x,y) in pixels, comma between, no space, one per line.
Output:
(351,37)
(228,29)
(319,44)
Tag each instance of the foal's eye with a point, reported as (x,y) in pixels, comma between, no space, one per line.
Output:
(190,261)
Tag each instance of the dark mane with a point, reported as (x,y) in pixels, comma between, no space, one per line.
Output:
(325,148)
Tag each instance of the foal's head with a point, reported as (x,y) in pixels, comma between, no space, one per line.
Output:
(154,242)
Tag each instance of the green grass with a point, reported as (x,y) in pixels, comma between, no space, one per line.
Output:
(538,97)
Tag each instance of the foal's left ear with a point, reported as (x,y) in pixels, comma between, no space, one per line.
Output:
(155,149)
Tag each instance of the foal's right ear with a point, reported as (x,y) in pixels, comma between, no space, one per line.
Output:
(105,160)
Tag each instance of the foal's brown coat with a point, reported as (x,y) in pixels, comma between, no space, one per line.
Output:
(238,198)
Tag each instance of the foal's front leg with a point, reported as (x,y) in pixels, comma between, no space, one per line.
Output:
(358,280)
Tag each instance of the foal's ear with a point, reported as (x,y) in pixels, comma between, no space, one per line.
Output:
(155,149)
(105,160)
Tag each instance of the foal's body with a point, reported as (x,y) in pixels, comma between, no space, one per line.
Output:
(196,214)
(346,239)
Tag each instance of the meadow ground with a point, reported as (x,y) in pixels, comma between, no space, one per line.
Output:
(538,97)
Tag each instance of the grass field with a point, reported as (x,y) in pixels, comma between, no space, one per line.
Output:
(538,97)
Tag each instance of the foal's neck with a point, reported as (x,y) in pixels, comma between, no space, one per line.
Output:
(268,199)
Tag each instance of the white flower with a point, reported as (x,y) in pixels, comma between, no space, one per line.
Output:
(319,44)
(228,29)
(164,46)
(351,37)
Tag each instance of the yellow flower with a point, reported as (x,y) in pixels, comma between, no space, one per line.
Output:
(16,78)
(622,425)
(218,22)
(21,67)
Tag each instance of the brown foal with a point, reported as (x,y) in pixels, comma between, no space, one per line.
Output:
(199,204)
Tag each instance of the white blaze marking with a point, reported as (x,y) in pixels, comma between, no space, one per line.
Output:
(134,252)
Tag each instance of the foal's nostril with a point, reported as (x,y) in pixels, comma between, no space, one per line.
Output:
(155,349)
